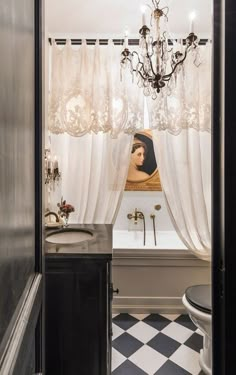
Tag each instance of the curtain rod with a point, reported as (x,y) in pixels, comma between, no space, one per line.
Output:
(131,42)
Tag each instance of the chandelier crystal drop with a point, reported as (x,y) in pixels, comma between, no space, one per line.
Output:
(156,63)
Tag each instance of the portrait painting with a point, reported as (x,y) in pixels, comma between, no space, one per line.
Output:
(143,170)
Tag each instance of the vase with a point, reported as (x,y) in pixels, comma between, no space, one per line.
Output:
(66,221)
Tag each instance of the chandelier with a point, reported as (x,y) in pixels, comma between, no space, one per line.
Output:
(156,63)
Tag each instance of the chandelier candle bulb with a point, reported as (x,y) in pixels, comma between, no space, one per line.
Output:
(55,163)
(143,9)
(192,18)
(192,26)
(49,164)
(126,40)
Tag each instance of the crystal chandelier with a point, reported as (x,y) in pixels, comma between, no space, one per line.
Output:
(156,63)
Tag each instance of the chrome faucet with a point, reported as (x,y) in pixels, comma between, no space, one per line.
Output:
(52,213)
(138,215)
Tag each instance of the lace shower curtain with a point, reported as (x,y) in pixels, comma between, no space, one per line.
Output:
(86,92)
(94,169)
(182,144)
(92,114)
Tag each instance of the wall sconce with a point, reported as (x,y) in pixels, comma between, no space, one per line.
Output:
(52,173)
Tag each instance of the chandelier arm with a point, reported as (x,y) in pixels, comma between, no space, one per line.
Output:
(165,14)
(136,53)
(166,77)
(156,3)
(165,8)
(139,72)
(150,61)
(142,64)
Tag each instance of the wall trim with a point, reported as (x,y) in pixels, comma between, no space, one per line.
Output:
(161,305)
(13,359)
(153,258)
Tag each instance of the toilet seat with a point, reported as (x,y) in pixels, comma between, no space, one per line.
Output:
(199,296)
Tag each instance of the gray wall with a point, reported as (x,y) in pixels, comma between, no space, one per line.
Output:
(16,154)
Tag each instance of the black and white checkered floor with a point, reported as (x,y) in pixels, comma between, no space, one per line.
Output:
(155,344)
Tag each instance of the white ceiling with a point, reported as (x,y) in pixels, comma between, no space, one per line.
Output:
(110,18)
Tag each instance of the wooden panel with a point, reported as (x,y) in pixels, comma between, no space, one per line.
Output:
(76,319)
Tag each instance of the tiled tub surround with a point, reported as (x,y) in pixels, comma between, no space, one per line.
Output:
(144,201)
(153,278)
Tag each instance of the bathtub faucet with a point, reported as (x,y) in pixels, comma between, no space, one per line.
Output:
(138,215)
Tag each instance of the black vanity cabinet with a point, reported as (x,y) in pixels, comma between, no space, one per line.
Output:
(78,314)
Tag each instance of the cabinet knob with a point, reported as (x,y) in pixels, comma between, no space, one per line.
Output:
(115,291)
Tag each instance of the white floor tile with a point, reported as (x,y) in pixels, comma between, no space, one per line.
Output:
(117,331)
(148,359)
(170,316)
(187,358)
(142,332)
(177,331)
(117,359)
(114,315)
(140,316)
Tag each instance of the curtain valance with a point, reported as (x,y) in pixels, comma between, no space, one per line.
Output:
(87,95)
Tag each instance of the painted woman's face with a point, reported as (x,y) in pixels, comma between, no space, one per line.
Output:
(138,156)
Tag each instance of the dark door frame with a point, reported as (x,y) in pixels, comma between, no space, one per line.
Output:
(39,133)
(218,337)
(224,180)
(224,188)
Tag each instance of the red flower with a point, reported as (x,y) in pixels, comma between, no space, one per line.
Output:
(65,208)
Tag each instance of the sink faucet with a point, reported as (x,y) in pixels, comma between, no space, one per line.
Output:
(52,213)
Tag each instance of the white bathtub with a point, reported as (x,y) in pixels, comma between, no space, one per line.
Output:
(153,278)
(165,240)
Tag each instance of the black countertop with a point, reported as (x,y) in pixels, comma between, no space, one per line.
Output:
(99,245)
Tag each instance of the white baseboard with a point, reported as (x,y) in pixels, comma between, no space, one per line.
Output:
(144,305)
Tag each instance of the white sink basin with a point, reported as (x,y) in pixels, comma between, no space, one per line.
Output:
(69,236)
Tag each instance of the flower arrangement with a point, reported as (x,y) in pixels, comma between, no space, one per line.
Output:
(65,209)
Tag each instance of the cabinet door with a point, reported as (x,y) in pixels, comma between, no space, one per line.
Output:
(76,320)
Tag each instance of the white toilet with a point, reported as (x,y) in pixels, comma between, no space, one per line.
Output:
(197,301)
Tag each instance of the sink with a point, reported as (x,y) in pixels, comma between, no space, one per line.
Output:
(69,236)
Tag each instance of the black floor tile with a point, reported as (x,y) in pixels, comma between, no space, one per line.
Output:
(125,321)
(157,321)
(128,368)
(170,368)
(164,344)
(126,344)
(195,342)
(185,321)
